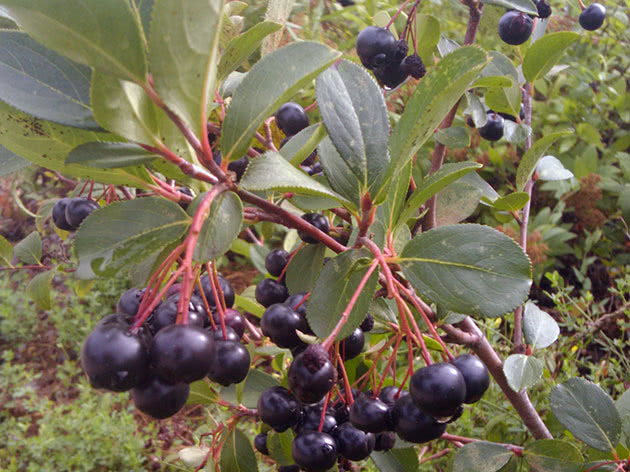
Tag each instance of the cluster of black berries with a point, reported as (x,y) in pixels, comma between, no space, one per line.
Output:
(159,360)
(69,213)
(387,57)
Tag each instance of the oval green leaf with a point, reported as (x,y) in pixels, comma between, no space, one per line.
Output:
(481,456)
(304,268)
(522,371)
(106,155)
(530,159)
(29,250)
(546,52)
(552,455)
(539,328)
(237,454)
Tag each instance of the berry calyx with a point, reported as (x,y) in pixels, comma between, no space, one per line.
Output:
(515,27)
(314,452)
(391,75)
(493,129)
(59,215)
(369,414)
(438,389)
(592,17)
(278,408)
(229,363)
(352,346)
(276,261)
(291,118)
(475,375)
(367,324)
(160,399)
(78,209)
(376,47)
(384,441)
(279,322)
(270,291)
(352,443)
(413,66)
(412,424)
(311,375)
(317,220)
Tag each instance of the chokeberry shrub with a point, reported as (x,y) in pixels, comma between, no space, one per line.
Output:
(186,147)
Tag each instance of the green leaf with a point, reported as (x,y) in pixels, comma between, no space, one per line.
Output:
(481,456)
(530,159)
(434,96)
(516,133)
(455,137)
(304,268)
(396,460)
(623,407)
(427,34)
(338,173)
(124,233)
(255,384)
(145,7)
(494,81)
(355,116)
(39,289)
(270,83)
(526,6)
(333,290)
(477,110)
(300,146)
(106,155)
(388,213)
(6,251)
(237,454)
(272,172)
(546,52)
(10,162)
(512,202)
(83,30)
(468,268)
(502,99)
(279,445)
(29,250)
(201,393)
(457,202)
(242,46)
(539,328)
(550,168)
(522,371)
(588,412)
(220,227)
(183,52)
(552,455)
(42,83)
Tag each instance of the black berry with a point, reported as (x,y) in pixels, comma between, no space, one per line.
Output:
(376,47)
(352,443)
(166,313)
(493,129)
(389,395)
(438,389)
(230,334)
(317,220)
(367,324)
(311,416)
(276,261)
(189,192)
(270,291)
(544,9)
(369,414)
(311,375)
(59,215)
(413,66)
(289,468)
(279,322)
(79,209)
(391,75)
(352,346)
(129,302)
(229,363)
(384,441)
(260,443)
(160,399)
(291,118)
(314,452)
(239,167)
(226,288)
(413,425)
(592,17)
(475,375)
(233,319)
(515,27)
(278,408)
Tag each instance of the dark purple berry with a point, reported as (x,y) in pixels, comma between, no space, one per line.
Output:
(160,399)
(369,414)
(278,408)
(367,324)
(384,441)
(413,66)
(311,375)
(59,214)
(276,261)
(226,288)
(376,47)
(129,302)
(389,395)
(79,209)
(279,322)
(438,389)
(544,9)
(592,17)
(475,375)
(289,468)
(352,346)
(391,75)
(233,319)
(412,424)
(239,167)
(270,291)
(229,364)
(186,191)
(166,313)
(260,443)
(515,27)
(317,220)
(314,452)
(291,118)
(352,443)
(311,416)
(493,129)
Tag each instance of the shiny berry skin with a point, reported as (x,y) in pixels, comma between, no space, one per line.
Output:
(475,375)
(166,313)
(310,418)
(413,66)
(384,441)
(278,408)
(181,353)
(233,319)
(412,425)
(291,118)
(229,364)
(352,346)
(270,291)
(226,288)
(276,261)
(59,215)
(592,17)
(239,167)
(391,75)
(230,334)
(311,375)
(113,358)
(376,46)
(544,9)
(317,220)
(389,395)
(299,306)
(314,452)
(493,129)
(160,399)
(515,27)
(438,389)
(369,414)
(279,322)
(367,324)
(79,209)
(129,302)
(260,443)
(352,443)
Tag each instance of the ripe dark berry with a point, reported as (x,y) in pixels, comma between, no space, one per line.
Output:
(314,452)
(438,389)
(189,192)
(291,118)
(166,313)
(113,358)
(391,75)
(475,375)
(384,441)
(278,408)
(276,261)
(226,288)
(376,47)
(160,399)
(279,323)
(412,425)
(311,416)
(352,346)
(317,220)
(230,334)
(129,302)
(229,364)
(79,209)
(233,319)
(367,324)
(544,9)
(270,291)
(181,353)
(260,443)
(389,395)
(515,27)
(311,375)
(592,17)
(59,215)
(369,414)
(352,443)
(493,129)
(239,167)
(289,468)
(413,66)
